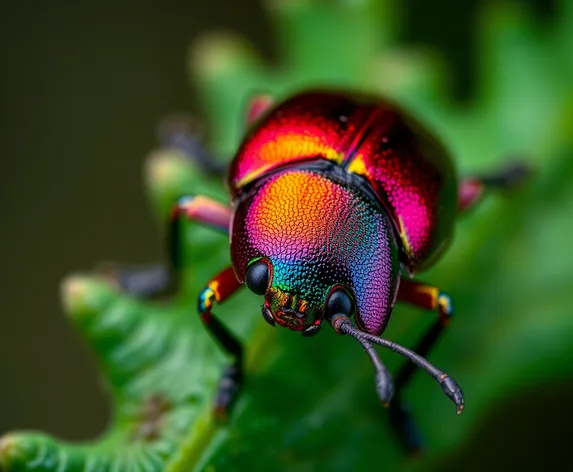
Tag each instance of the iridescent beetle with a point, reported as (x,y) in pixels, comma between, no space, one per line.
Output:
(337,201)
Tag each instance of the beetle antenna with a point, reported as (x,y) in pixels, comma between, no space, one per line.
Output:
(383,379)
(343,325)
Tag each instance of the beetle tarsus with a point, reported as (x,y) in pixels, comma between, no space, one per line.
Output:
(472,189)
(181,133)
(227,392)
(144,282)
(512,175)
(407,431)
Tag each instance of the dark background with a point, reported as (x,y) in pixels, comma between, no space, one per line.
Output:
(82,90)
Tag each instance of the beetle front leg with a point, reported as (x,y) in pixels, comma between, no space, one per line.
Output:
(177,132)
(472,189)
(258,106)
(430,298)
(219,289)
(158,280)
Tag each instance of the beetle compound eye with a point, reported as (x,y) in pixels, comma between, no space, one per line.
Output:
(339,302)
(258,278)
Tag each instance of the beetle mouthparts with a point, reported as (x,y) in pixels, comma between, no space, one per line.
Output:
(311,330)
(268,316)
(284,316)
(290,319)
(290,311)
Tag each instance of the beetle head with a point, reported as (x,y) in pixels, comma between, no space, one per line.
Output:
(312,248)
(296,297)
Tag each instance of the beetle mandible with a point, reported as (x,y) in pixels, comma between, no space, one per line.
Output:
(338,200)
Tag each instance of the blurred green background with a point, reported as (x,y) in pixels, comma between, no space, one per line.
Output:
(83,89)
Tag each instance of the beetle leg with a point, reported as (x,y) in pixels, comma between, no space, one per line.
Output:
(163,279)
(471,189)
(178,132)
(220,288)
(430,298)
(141,281)
(258,105)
